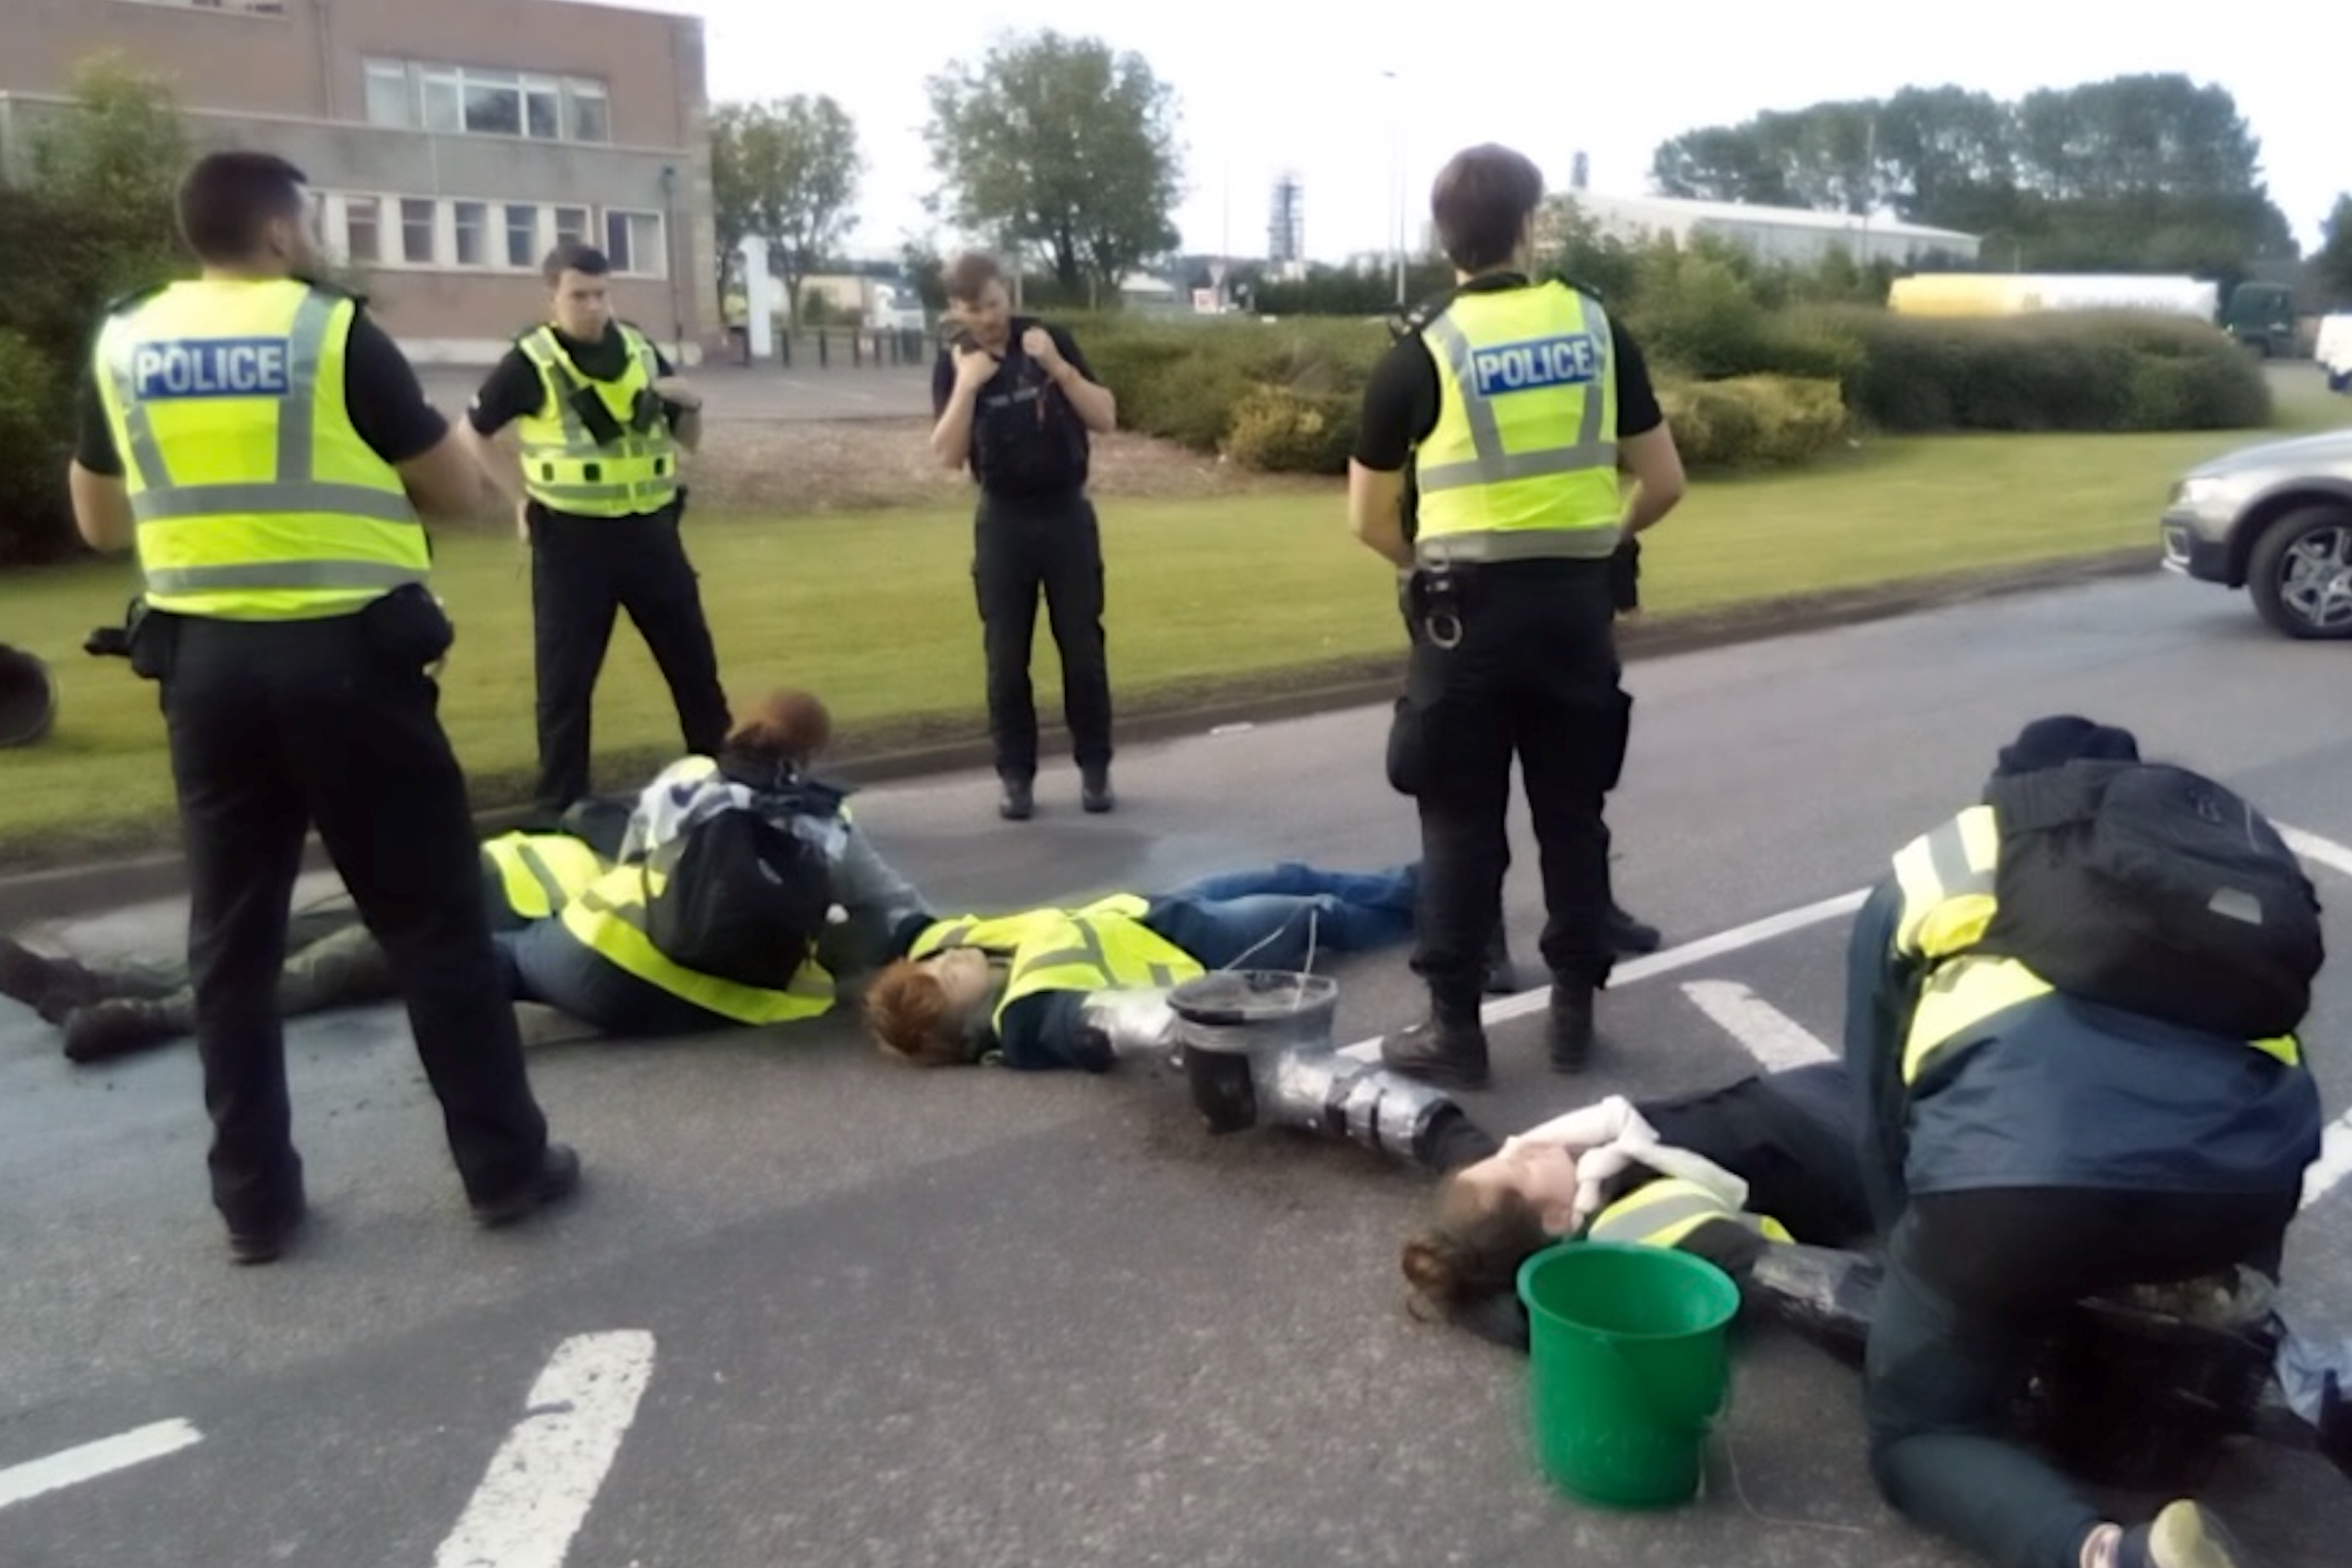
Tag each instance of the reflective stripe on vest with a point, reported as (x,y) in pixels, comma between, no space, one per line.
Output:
(1101,946)
(256,497)
(1662,1212)
(609,919)
(564,467)
(540,873)
(1523,459)
(1947,879)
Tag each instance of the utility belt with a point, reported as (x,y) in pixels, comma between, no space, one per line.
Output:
(1435,600)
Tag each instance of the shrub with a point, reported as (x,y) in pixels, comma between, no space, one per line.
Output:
(1760,420)
(31,452)
(2087,370)
(1283,430)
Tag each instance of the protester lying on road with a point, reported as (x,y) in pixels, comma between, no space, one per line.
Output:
(562,912)
(1055,988)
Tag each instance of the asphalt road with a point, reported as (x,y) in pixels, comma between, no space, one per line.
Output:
(813,1309)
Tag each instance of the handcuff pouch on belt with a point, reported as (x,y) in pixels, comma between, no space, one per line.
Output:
(1436,597)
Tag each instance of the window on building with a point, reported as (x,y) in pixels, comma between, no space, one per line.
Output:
(445,101)
(522,235)
(362,236)
(591,118)
(633,242)
(417,225)
(473,233)
(493,107)
(571,223)
(391,94)
(543,108)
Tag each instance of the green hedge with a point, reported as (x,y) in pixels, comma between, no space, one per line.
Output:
(1755,421)
(2080,370)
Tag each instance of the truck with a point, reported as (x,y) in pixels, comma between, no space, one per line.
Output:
(2261,316)
(2020,293)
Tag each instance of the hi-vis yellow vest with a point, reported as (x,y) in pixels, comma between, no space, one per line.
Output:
(1947,879)
(1523,459)
(540,873)
(255,498)
(1664,1212)
(1101,946)
(564,469)
(609,919)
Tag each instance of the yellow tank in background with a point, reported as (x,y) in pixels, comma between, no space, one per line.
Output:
(2019,293)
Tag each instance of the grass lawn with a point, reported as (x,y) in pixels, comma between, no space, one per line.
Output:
(876,611)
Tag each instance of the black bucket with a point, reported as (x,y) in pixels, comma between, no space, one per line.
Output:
(2144,1401)
(28,697)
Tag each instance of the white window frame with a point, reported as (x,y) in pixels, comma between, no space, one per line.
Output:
(431,85)
(635,264)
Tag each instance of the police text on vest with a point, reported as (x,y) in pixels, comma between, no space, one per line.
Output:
(1570,360)
(199,367)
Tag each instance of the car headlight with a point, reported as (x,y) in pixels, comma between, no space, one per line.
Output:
(2200,490)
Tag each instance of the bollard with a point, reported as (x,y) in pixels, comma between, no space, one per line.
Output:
(824,349)
(783,350)
(856,347)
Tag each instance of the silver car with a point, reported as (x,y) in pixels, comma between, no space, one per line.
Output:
(2275,519)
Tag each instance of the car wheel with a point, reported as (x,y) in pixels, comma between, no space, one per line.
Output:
(2300,572)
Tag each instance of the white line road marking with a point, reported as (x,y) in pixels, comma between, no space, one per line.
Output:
(2311,846)
(545,1475)
(2333,1164)
(1667,962)
(92,1460)
(1771,1037)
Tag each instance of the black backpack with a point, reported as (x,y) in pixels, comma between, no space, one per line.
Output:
(740,898)
(2154,889)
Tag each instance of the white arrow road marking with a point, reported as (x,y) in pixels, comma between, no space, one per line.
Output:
(544,1478)
(1667,962)
(1770,1035)
(92,1460)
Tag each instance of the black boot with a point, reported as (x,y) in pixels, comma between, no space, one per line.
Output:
(119,1027)
(1019,802)
(1094,789)
(1627,937)
(1502,975)
(1447,1048)
(50,986)
(1569,1037)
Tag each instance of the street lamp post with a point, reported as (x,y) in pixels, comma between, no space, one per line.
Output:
(670,249)
(1397,179)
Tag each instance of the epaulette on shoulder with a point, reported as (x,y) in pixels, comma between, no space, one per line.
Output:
(1581,287)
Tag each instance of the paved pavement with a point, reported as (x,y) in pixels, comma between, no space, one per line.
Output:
(812,1309)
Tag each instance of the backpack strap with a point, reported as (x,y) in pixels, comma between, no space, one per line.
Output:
(2047,798)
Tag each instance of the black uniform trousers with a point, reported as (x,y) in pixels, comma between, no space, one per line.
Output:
(1022,548)
(1534,676)
(583,570)
(277,725)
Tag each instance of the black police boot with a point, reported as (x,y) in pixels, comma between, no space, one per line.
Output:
(1094,789)
(1569,1037)
(1502,975)
(1448,1047)
(1018,803)
(118,1027)
(1627,937)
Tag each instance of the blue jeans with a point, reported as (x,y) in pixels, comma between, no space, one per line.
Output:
(544,962)
(1276,918)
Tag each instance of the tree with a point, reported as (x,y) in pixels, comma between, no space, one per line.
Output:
(1060,143)
(785,171)
(2332,263)
(94,221)
(2145,171)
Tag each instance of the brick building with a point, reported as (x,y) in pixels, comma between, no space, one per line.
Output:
(451,141)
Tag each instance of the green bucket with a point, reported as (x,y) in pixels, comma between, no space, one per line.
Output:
(1628,1368)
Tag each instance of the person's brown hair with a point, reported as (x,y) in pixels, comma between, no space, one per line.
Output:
(969,274)
(574,255)
(785,725)
(1480,201)
(907,1018)
(1476,1238)
(224,198)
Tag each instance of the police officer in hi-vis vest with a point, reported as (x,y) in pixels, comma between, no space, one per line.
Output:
(600,419)
(1522,411)
(267,450)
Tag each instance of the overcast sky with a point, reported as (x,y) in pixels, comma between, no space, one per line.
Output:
(1263,88)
